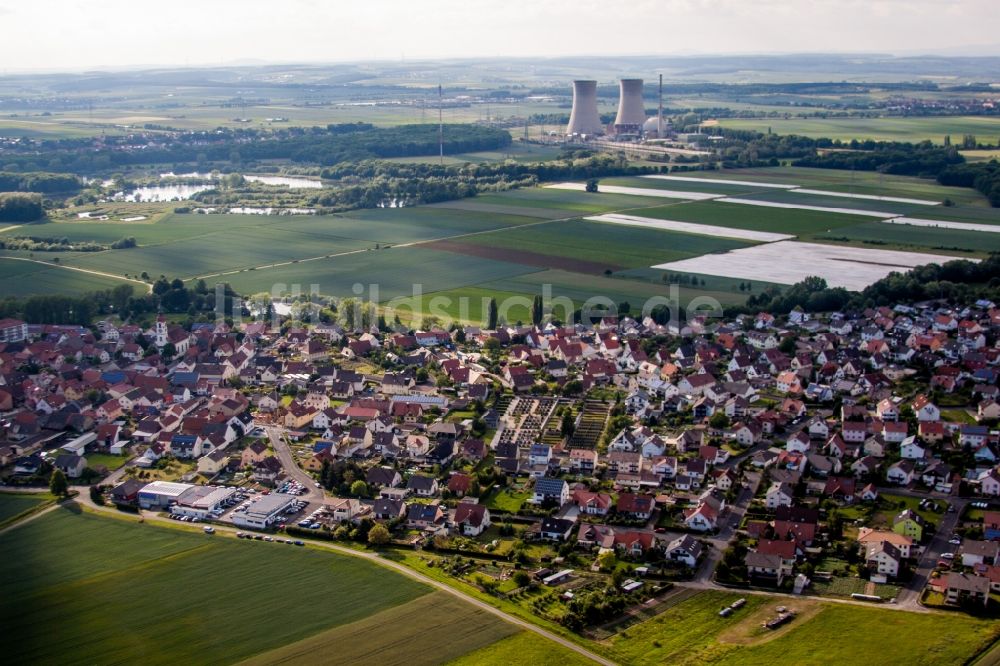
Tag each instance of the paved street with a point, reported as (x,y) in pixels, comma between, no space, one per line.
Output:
(292,470)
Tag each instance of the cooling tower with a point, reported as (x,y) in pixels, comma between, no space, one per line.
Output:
(584,118)
(631,112)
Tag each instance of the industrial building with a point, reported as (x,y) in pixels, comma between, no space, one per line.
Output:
(201,501)
(584,118)
(161,494)
(630,122)
(264,512)
(631,112)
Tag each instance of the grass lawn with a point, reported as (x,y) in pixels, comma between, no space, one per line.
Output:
(137,593)
(505,501)
(105,460)
(693,633)
(890,507)
(958,416)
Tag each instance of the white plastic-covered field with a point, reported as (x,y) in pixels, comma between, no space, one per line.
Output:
(825,209)
(638,191)
(723,181)
(788,262)
(691,228)
(871,197)
(945,224)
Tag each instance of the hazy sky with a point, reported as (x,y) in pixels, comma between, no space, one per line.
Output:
(70,34)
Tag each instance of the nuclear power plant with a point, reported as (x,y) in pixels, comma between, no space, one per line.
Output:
(631,120)
(584,118)
(631,112)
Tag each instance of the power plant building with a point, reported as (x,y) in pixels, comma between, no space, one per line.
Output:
(584,118)
(631,111)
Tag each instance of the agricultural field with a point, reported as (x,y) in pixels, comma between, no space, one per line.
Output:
(591,246)
(429,630)
(13,505)
(693,633)
(119,599)
(20,277)
(512,243)
(523,649)
(960,242)
(882,129)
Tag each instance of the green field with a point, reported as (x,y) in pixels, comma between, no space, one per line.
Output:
(27,278)
(882,129)
(920,239)
(523,649)
(13,505)
(753,218)
(429,630)
(693,633)
(493,245)
(99,590)
(395,271)
(604,244)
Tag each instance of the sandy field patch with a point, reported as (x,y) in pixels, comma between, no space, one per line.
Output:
(788,262)
(638,191)
(723,181)
(691,228)
(824,209)
(945,224)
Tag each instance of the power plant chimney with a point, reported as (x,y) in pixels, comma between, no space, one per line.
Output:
(659,112)
(631,112)
(584,118)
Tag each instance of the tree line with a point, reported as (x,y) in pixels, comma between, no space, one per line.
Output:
(311,145)
(20,207)
(981,176)
(44,183)
(956,281)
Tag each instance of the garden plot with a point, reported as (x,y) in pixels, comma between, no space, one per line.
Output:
(872,197)
(637,191)
(825,209)
(691,228)
(788,262)
(724,181)
(944,224)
